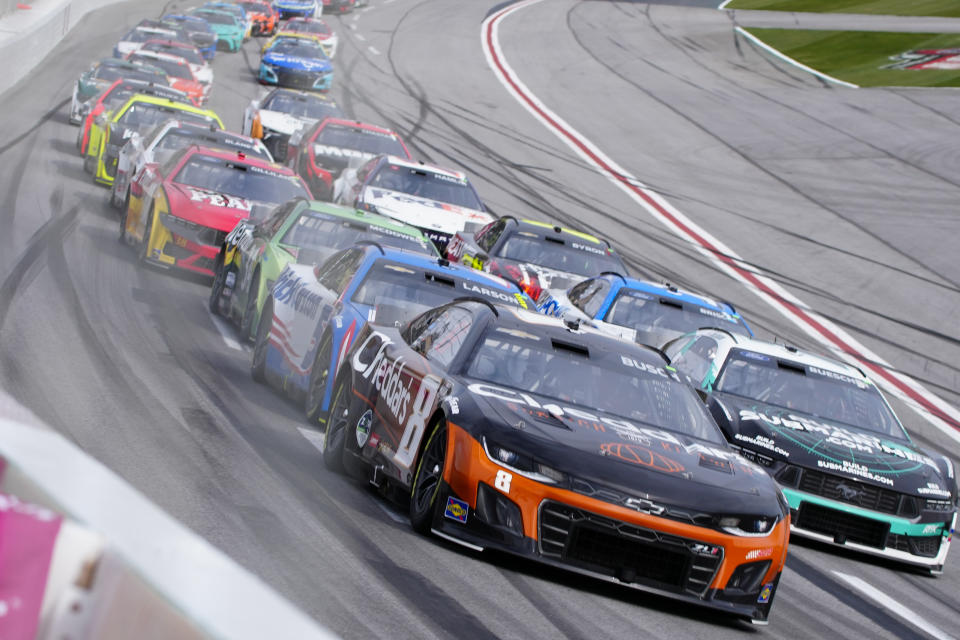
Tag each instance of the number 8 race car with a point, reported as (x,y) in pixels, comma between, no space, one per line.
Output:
(483,417)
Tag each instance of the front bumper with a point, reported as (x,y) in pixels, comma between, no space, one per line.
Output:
(176,242)
(229,42)
(586,535)
(295,78)
(922,544)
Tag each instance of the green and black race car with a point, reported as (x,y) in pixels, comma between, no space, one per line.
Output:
(300,231)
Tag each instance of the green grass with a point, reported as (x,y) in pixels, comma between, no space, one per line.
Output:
(857,56)
(947,8)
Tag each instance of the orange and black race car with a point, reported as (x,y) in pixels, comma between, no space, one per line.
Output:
(510,430)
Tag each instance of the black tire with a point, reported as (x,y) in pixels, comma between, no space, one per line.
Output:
(219,282)
(335,435)
(258,366)
(250,308)
(90,164)
(123,225)
(147,233)
(428,478)
(319,376)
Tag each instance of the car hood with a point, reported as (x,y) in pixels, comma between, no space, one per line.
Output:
(209,208)
(421,212)
(283,122)
(830,447)
(609,452)
(297,62)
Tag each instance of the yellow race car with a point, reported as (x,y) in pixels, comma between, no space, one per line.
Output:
(137,115)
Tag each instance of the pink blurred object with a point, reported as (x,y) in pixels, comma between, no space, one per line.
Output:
(27,536)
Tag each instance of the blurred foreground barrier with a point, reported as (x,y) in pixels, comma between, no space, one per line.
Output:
(84,555)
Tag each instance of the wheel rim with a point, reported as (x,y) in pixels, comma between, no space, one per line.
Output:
(336,422)
(431,470)
(318,383)
(260,344)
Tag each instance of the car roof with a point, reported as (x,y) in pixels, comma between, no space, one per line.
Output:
(414,164)
(424,261)
(546,227)
(672,292)
(233,156)
(794,354)
(159,55)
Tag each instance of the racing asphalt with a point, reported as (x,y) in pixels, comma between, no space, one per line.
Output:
(845,197)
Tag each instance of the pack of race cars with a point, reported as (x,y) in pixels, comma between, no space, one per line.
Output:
(504,378)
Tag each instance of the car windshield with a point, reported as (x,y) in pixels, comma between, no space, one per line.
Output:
(561,257)
(808,389)
(142,35)
(171,68)
(424,183)
(300,26)
(322,235)
(189,54)
(239,179)
(399,292)
(215,17)
(645,393)
(644,312)
(364,140)
(305,106)
(298,47)
(175,139)
(142,115)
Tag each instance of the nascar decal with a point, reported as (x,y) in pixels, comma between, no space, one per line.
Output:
(387,378)
(920,59)
(456,510)
(290,290)
(219,199)
(871,454)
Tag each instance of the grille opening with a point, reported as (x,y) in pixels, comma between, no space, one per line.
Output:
(844,527)
(628,560)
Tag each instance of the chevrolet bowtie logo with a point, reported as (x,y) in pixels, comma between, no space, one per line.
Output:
(643,505)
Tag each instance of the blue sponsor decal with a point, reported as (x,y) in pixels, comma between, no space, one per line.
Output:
(756,356)
(765,593)
(456,510)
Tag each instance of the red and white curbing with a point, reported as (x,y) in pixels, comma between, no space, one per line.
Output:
(932,408)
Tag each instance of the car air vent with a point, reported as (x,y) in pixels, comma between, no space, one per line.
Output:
(553,239)
(433,277)
(671,303)
(569,347)
(789,366)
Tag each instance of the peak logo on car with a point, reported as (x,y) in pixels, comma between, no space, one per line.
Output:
(219,199)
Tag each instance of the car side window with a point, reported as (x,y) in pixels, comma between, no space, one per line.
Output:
(443,337)
(695,361)
(490,235)
(588,296)
(365,170)
(339,269)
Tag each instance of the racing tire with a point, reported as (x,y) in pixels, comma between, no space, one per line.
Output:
(219,282)
(335,435)
(123,237)
(319,376)
(147,233)
(250,308)
(90,164)
(258,365)
(428,478)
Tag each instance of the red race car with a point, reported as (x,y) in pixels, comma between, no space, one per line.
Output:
(179,212)
(320,153)
(179,73)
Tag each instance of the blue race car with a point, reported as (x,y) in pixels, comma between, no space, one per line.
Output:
(313,313)
(200,32)
(646,312)
(298,8)
(298,63)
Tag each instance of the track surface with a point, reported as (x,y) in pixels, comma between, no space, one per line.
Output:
(845,197)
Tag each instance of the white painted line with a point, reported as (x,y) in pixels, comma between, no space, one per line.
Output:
(895,607)
(223,329)
(352,26)
(462,543)
(361,37)
(724,4)
(929,406)
(393,515)
(373,50)
(763,45)
(313,437)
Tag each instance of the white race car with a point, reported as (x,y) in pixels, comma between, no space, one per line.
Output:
(277,115)
(440,202)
